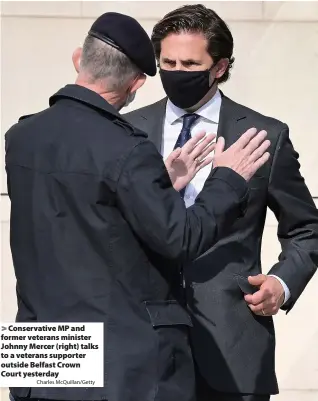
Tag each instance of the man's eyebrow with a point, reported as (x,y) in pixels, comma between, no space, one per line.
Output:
(168,59)
(186,61)
(191,61)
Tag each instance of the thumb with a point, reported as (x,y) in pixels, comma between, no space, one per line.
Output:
(219,147)
(173,156)
(257,280)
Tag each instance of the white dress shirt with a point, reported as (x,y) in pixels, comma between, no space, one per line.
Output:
(208,122)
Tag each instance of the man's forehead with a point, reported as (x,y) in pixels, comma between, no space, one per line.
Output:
(185,40)
(186,46)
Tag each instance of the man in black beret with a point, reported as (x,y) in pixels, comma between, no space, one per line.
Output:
(98,229)
(118,49)
(126,35)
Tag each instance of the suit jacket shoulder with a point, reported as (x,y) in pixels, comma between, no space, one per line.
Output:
(157,109)
(254,115)
(149,119)
(235,119)
(146,111)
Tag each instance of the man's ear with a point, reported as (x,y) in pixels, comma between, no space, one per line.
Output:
(76,58)
(221,67)
(138,82)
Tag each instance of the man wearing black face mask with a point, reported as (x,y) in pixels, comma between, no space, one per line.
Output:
(231,304)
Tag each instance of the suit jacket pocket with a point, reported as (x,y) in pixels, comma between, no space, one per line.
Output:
(167,313)
(244,285)
(247,288)
(171,323)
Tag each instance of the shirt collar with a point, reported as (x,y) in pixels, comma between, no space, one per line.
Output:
(210,110)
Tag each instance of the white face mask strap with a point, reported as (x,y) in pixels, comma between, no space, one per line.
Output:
(130,98)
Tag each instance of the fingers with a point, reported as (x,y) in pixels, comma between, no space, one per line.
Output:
(257,298)
(172,157)
(220,145)
(245,138)
(190,145)
(260,150)
(256,142)
(257,280)
(203,163)
(259,303)
(261,161)
(260,309)
(204,147)
(268,299)
(266,308)
(207,151)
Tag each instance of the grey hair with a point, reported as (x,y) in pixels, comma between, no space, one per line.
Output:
(104,64)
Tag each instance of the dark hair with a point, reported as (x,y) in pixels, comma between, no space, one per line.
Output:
(199,19)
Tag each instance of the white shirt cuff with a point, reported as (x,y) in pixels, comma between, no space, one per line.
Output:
(286,289)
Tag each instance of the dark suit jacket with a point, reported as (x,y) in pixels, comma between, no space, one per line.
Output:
(93,212)
(235,349)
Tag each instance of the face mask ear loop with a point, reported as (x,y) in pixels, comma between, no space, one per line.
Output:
(209,70)
(214,80)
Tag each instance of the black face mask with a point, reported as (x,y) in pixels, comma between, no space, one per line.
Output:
(186,88)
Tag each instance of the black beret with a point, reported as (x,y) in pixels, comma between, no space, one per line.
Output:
(126,35)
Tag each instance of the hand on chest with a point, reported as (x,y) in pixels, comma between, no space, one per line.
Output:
(171,135)
(228,122)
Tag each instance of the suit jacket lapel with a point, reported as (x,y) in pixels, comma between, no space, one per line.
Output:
(230,127)
(154,122)
(231,116)
(232,122)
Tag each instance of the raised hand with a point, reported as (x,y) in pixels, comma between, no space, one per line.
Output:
(246,155)
(184,163)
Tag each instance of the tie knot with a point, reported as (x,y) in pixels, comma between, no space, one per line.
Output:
(188,120)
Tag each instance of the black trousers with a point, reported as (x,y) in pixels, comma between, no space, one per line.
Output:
(206,393)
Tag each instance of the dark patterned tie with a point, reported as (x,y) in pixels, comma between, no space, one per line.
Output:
(185,135)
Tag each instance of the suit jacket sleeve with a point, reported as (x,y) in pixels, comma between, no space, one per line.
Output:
(297,216)
(158,216)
